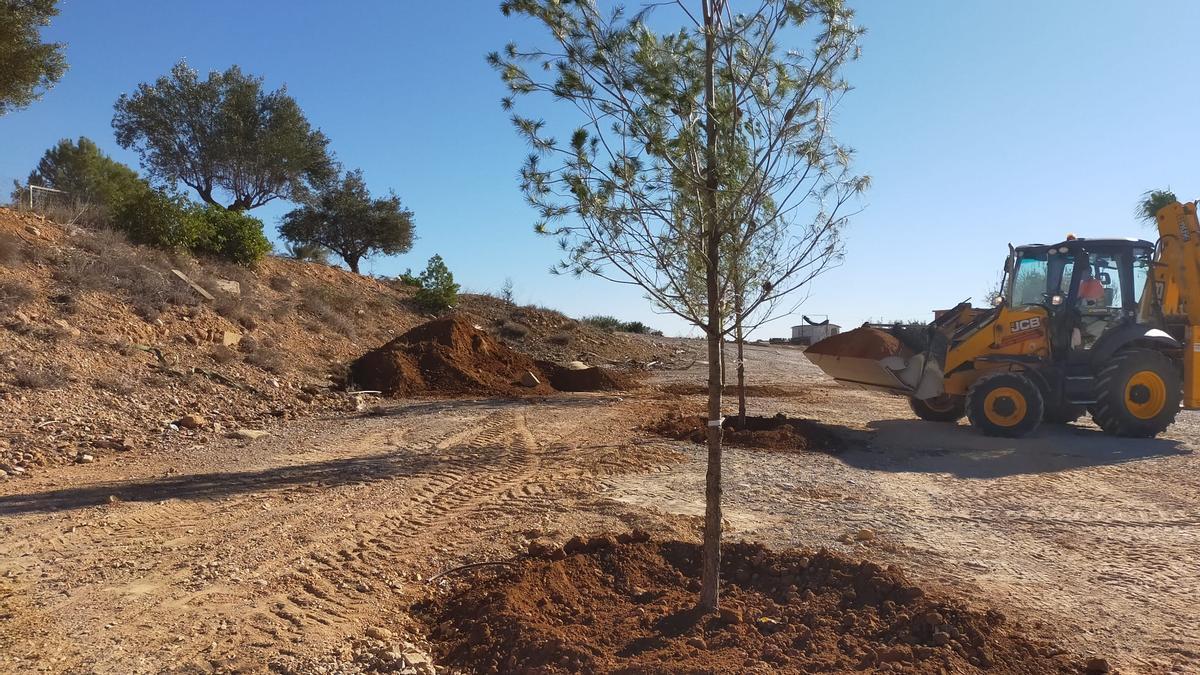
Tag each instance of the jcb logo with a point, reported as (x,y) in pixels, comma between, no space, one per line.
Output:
(1026,324)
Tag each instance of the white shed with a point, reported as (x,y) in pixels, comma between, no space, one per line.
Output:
(807,334)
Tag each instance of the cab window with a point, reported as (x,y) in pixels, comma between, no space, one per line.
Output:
(1029,282)
(1100,286)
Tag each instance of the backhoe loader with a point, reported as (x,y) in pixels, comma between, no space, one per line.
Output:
(1109,327)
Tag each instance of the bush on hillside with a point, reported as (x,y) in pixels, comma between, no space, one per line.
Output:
(438,292)
(612,323)
(155,218)
(409,279)
(602,321)
(228,235)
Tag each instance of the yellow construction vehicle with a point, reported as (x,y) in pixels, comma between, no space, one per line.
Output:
(1106,326)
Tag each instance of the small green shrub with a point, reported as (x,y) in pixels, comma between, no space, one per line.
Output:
(612,323)
(409,279)
(228,235)
(154,218)
(438,291)
(602,321)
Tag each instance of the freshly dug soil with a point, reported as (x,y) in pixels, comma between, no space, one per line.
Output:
(627,605)
(586,379)
(863,343)
(772,433)
(446,356)
(756,390)
(451,357)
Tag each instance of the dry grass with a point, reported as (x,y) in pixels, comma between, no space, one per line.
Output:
(115,384)
(280,284)
(561,339)
(14,293)
(12,250)
(41,378)
(268,359)
(329,310)
(514,330)
(141,275)
(222,354)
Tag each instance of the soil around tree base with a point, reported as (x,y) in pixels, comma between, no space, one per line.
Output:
(772,433)
(624,604)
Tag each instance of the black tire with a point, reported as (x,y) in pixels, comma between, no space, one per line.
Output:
(1137,394)
(944,408)
(1063,414)
(1005,404)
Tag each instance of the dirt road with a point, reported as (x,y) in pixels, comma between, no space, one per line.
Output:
(226,557)
(242,555)
(1094,537)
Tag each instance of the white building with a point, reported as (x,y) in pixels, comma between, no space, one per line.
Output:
(808,334)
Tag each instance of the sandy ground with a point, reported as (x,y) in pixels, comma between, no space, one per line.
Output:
(1093,537)
(235,555)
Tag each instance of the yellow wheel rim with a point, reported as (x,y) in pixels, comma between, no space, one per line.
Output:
(1145,395)
(1005,407)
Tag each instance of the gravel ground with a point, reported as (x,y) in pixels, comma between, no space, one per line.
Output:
(304,550)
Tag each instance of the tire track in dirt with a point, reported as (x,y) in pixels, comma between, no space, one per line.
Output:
(298,546)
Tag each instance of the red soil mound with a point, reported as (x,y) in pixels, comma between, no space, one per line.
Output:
(772,433)
(863,343)
(626,605)
(447,356)
(586,379)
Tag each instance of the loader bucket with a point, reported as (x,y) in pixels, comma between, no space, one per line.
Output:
(873,374)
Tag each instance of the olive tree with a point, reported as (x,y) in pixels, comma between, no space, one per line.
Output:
(223,136)
(28,66)
(688,150)
(343,218)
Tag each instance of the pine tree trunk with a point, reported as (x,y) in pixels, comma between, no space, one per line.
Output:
(710,574)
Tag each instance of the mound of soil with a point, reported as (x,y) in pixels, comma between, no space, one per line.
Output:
(627,605)
(586,379)
(863,343)
(772,433)
(446,356)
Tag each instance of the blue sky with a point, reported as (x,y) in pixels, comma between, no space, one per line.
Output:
(981,123)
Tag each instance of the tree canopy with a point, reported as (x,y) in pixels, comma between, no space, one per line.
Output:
(223,135)
(344,218)
(28,66)
(86,173)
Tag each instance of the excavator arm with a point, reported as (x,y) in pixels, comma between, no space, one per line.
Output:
(1177,279)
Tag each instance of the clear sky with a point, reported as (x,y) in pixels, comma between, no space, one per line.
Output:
(981,123)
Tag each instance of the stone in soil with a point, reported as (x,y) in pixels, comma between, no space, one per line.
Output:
(624,605)
(191,421)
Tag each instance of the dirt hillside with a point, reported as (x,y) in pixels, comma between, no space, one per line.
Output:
(109,348)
